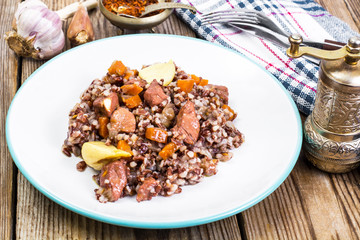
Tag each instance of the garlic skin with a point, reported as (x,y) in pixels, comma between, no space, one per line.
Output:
(37,32)
(80,30)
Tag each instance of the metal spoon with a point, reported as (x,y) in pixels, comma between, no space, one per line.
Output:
(159,6)
(166,5)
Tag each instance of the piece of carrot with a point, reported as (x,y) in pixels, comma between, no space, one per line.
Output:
(156,134)
(103,130)
(168,150)
(230,110)
(195,78)
(117,67)
(132,101)
(185,85)
(131,89)
(123,145)
(203,82)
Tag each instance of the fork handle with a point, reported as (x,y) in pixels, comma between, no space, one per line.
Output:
(326,44)
(332,45)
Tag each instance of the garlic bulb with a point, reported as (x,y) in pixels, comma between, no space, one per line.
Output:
(37,32)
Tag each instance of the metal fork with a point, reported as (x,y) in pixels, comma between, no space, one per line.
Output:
(262,26)
(242,16)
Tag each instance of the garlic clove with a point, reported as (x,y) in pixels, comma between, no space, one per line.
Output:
(80,30)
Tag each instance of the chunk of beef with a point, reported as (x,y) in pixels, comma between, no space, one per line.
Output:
(148,189)
(122,120)
(106,104)
(113,179)
(221,91)
(187,124)
(154,95)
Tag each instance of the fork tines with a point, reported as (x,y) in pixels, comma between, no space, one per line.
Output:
(226,16)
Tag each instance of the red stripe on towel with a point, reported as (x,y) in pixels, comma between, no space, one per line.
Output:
(277,56)
(232,6)
(289,13)
(264,61)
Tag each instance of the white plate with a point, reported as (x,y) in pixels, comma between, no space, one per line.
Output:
(37,121)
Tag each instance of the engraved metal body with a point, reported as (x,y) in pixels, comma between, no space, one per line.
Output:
(332,130)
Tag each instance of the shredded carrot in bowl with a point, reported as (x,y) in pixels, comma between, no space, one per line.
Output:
(129,7)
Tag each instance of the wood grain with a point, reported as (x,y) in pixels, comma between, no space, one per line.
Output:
(322,202)
(40,218)
(279,216)
(354,8)
(8,87)
(308,205)
(347,189)
(343,11)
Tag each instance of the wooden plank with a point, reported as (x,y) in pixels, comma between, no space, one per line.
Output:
(346,10)
(347,189)
(224,229)
(175,26)
(322,202)
(307,206)
(8,87)
(279,216)
(354,9)
(40,218)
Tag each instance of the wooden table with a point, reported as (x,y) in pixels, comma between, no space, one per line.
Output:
(310,204)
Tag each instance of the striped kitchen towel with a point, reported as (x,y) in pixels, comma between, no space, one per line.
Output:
(298,76)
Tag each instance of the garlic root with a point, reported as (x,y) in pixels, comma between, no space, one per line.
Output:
(80,30)
(20,45)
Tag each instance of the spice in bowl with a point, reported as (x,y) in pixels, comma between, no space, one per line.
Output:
(128,7)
